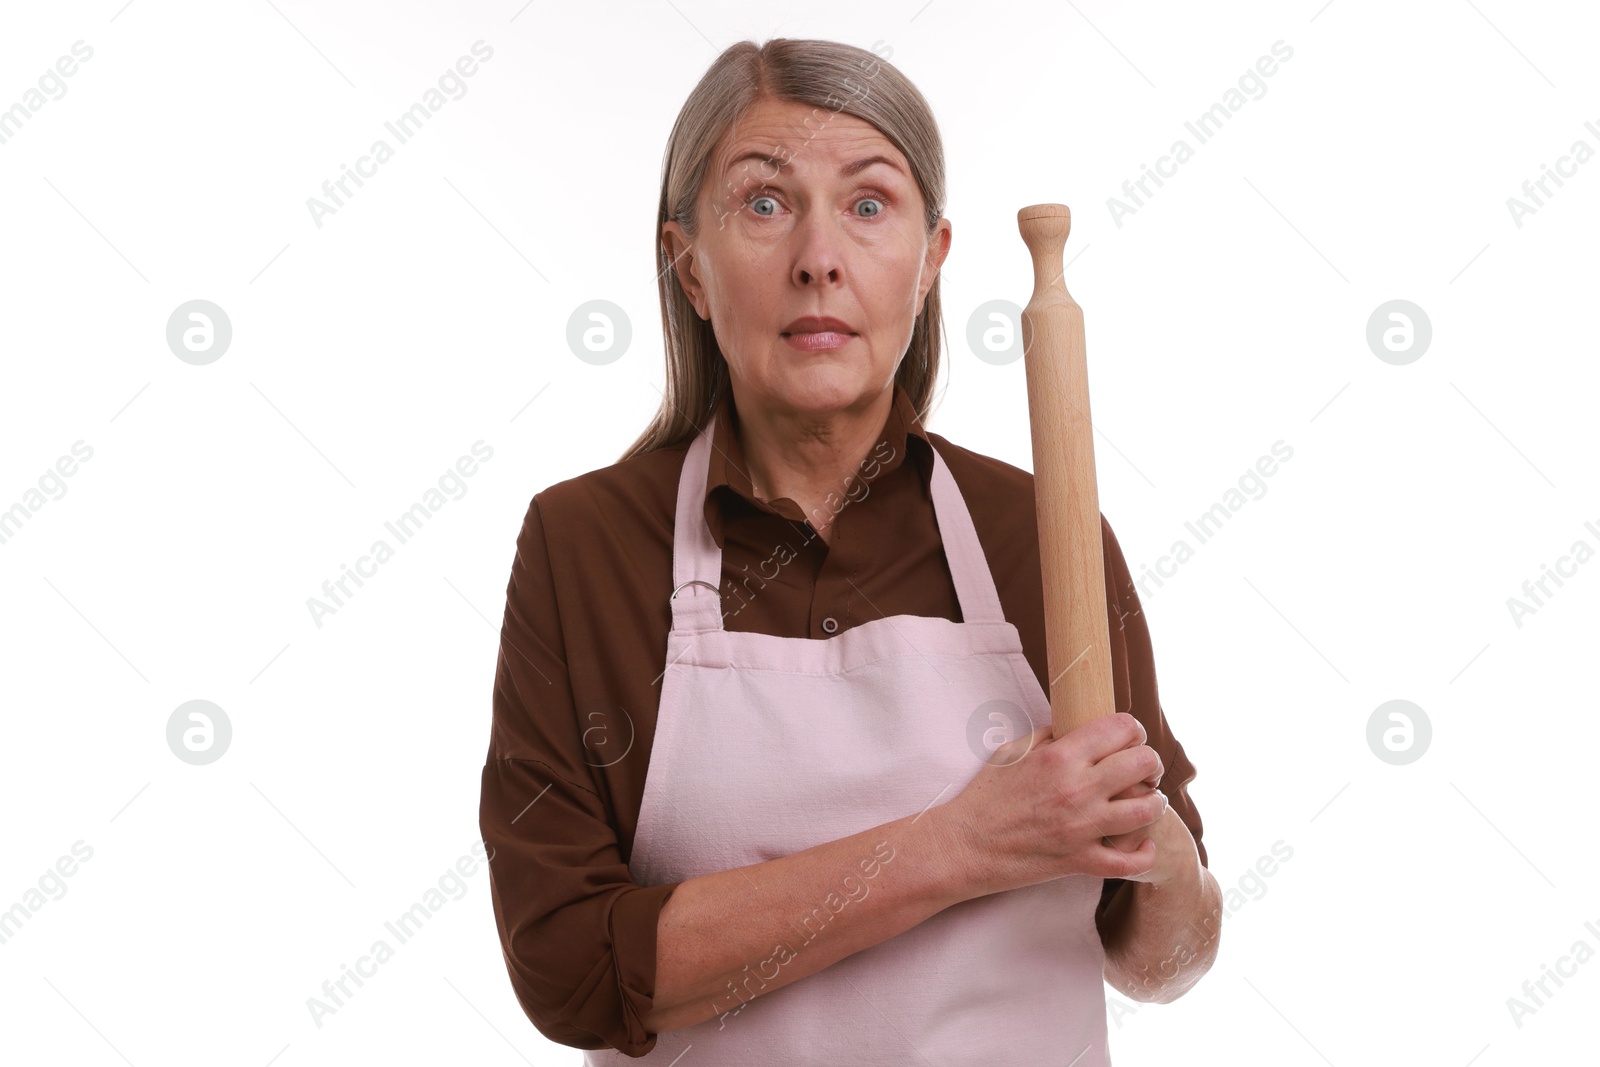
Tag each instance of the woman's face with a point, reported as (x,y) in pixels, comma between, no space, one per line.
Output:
(809,213)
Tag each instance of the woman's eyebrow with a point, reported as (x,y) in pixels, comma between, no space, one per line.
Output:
(849,170)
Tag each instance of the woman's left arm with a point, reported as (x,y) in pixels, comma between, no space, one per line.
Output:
(1161,931)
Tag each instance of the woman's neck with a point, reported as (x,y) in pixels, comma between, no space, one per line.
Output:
(809,461)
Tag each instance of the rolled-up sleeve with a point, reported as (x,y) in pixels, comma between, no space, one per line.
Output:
(578,935)
(1133,661)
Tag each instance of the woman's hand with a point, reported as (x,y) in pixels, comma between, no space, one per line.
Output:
(1176,854)
(1085,803)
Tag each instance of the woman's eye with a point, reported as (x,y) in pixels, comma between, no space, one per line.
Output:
(766,206)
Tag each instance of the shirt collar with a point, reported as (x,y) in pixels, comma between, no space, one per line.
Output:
(728,472)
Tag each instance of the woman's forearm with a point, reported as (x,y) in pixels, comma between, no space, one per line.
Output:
(724,939)
(1160,939)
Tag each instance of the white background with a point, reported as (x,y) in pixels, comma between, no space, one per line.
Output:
(1227,313)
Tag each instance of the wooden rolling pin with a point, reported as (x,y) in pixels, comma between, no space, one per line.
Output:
(1071,556)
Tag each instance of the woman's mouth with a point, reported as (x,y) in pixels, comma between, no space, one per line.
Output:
(818,341)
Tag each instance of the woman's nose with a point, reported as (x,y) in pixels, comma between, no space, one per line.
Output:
(818,256)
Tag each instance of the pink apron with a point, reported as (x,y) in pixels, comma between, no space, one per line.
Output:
(766,746)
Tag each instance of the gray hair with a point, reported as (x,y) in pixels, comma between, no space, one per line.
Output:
(824,74)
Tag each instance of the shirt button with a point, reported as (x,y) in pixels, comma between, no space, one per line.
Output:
(830,624)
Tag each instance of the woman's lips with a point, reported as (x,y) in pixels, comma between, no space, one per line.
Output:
(817,342)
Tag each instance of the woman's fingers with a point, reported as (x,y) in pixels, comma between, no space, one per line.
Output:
(1128,768)
(1132,814)
(1113,862)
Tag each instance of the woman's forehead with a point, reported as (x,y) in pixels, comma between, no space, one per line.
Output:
(794,136)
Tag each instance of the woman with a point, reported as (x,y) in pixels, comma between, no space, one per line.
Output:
(745,789)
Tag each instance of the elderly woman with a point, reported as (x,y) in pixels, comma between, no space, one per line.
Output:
(771,771)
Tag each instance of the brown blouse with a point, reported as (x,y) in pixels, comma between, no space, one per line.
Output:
(583,647)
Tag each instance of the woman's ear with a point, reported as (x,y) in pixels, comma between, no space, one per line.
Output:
(681,257)
(938,249)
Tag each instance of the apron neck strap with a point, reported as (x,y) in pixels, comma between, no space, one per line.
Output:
(697,558)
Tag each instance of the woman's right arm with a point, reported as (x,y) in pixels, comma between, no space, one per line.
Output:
(729,937)
(577,934)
